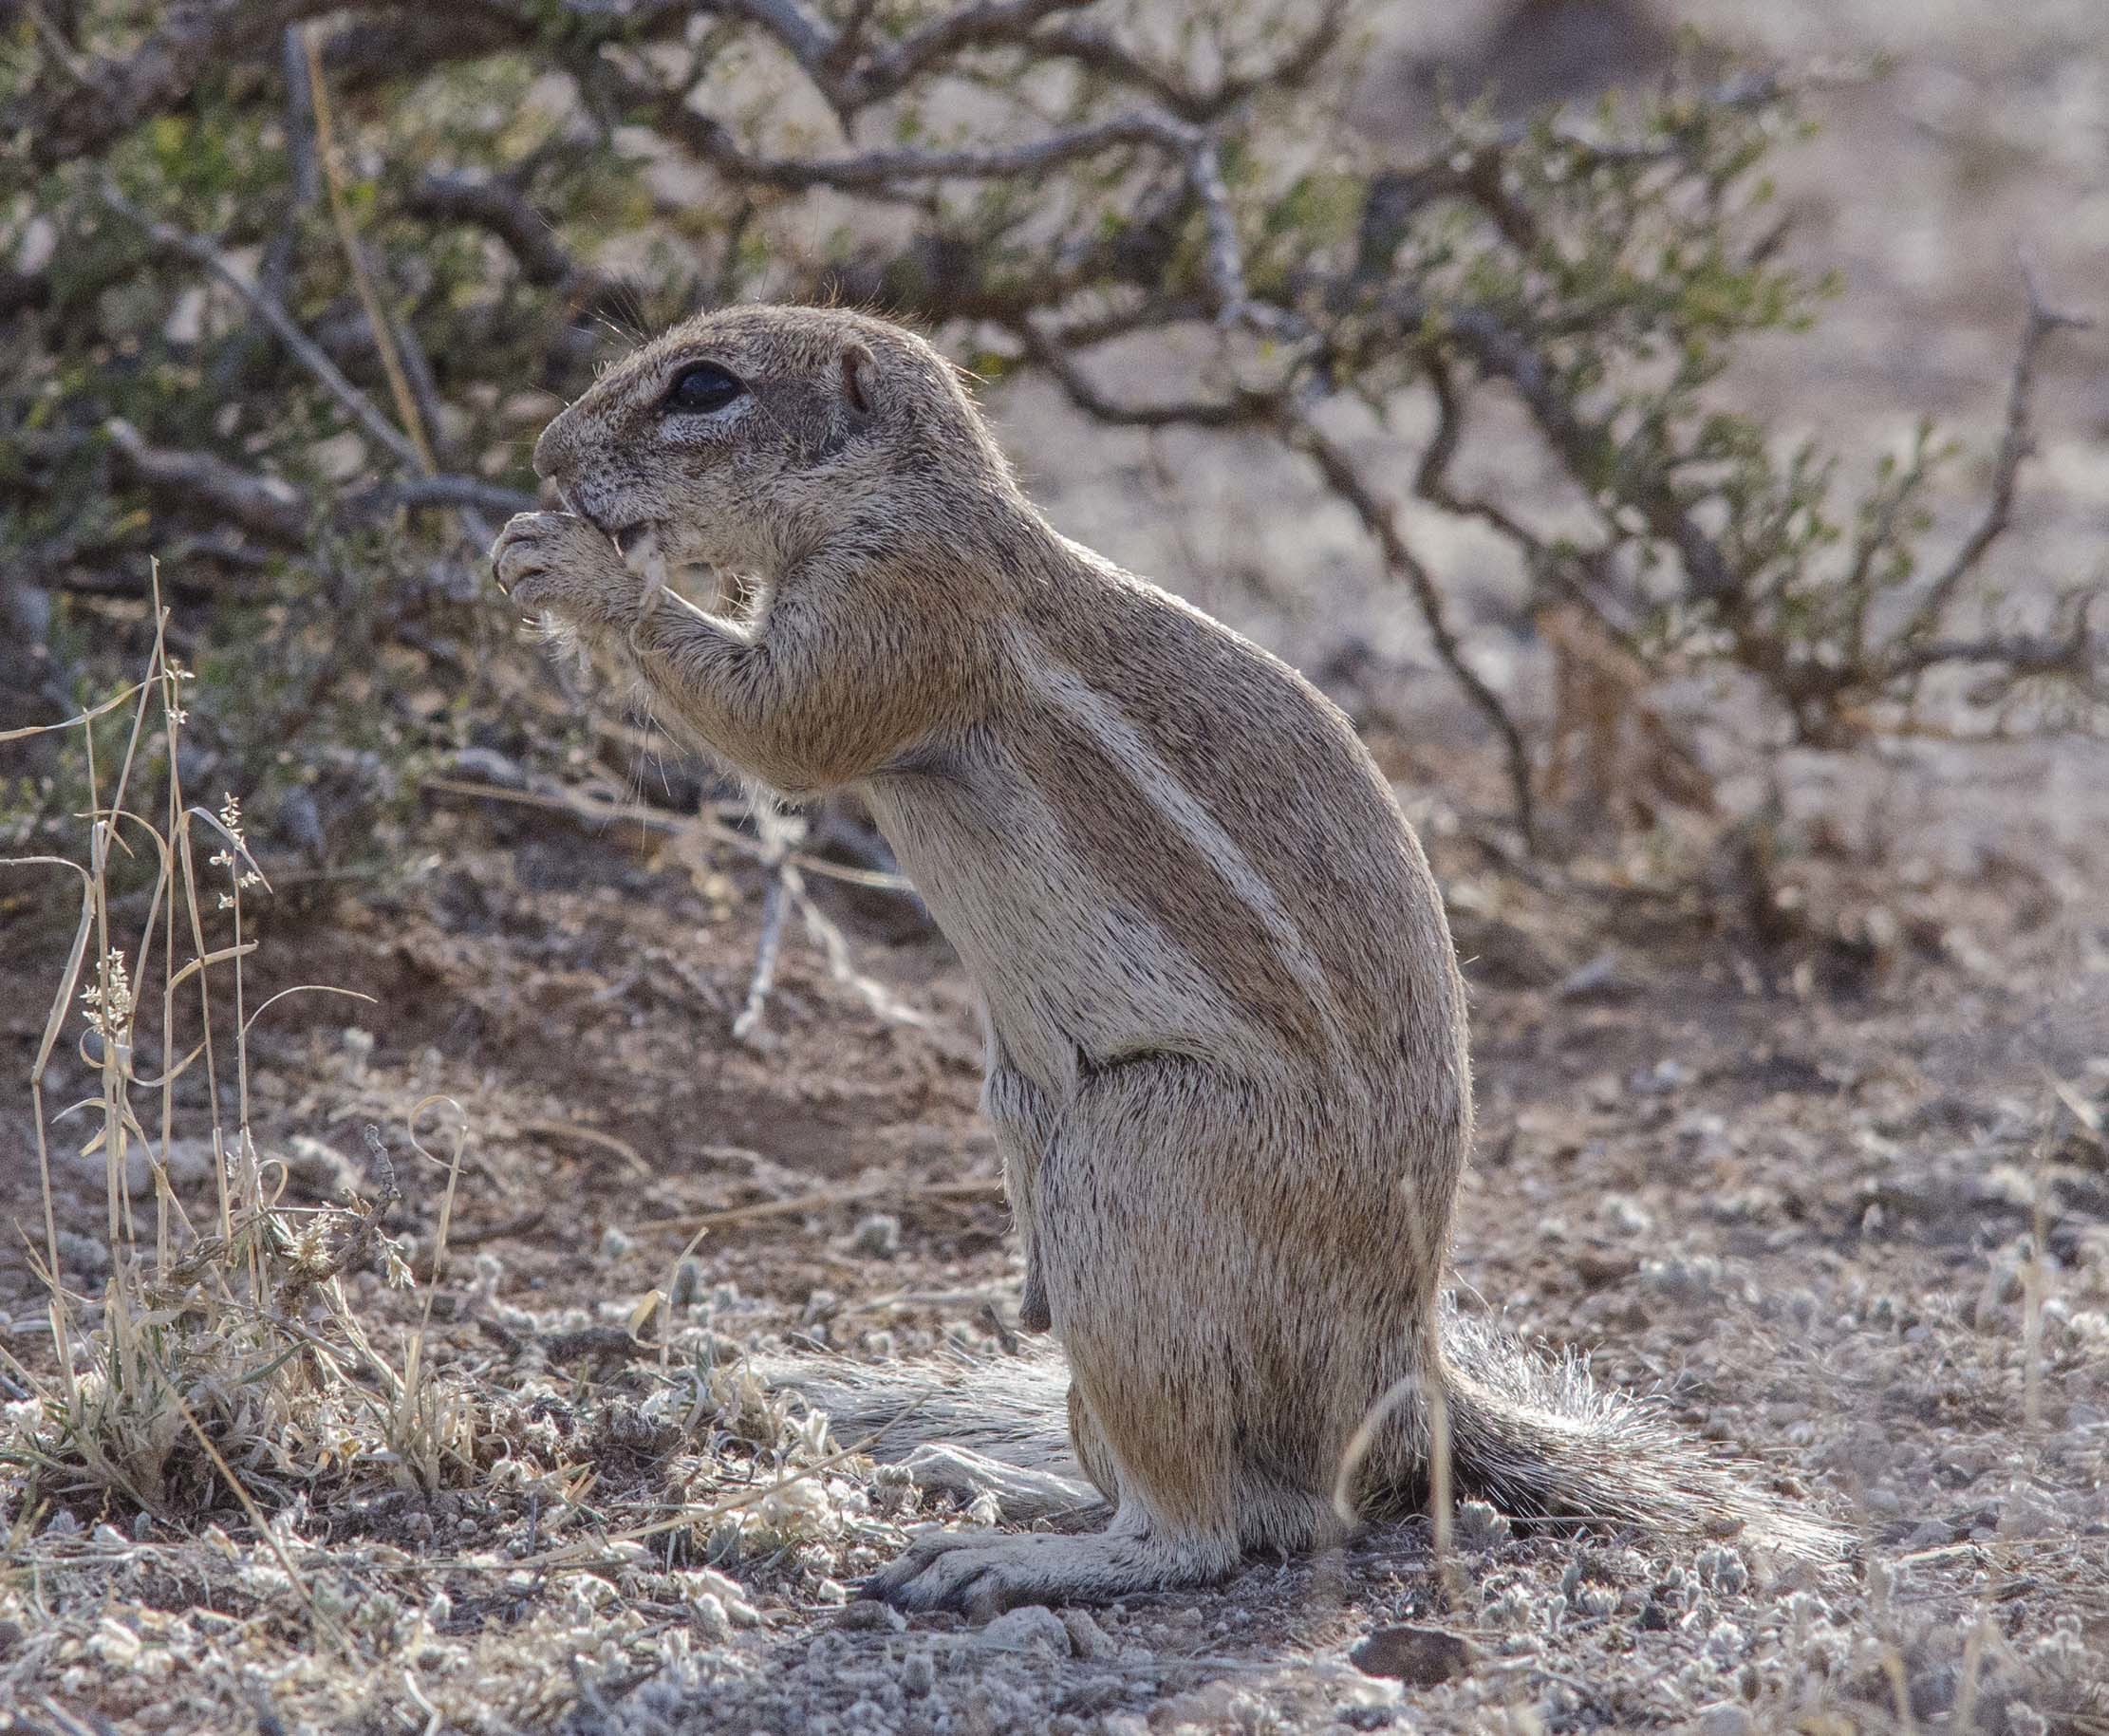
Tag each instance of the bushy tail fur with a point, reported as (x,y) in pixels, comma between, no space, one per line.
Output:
(1535,1437)
(993,1428)
(1532,1436)
(1014,1409)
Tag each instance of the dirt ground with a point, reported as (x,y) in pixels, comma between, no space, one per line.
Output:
(1833,1194)
(1850,1232)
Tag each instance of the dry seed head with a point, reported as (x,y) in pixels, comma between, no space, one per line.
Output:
(310,1252)
(107,1001)
(399,1274)
(231,817)
(178,713)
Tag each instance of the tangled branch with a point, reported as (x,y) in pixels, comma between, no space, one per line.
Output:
(1597,276)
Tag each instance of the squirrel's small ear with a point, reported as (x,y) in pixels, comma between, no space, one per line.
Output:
(857,370)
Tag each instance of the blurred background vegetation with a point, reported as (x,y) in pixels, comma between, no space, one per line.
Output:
(1548,379)
(288,288)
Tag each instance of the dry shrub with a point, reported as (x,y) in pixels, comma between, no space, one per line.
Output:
(223,1362)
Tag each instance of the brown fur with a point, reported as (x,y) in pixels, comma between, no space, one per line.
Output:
(1227,1061)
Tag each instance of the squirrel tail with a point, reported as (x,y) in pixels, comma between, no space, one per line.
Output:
(1011,1407)
(1537,1438)
(1532,1435)
(996,1427)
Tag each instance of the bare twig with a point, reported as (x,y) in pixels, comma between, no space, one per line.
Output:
(269,505)
(369,47)
(457,492)
(586,810)
(1224,267)
(882,170)
(1346,481)
(2073,653)
(355,256)
(1097,49)
(2016,444)
(984,23)
(1587,149)
(494,204)
(504,1229)
(1244,408)
(621,1148)
(305,350)
(109,95)
(808,40)
(767,948)
(827,1197)
(1565,567)
(302,162)
(1508,355)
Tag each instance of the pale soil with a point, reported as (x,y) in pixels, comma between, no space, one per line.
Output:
(1833,1215)
(1806,1221)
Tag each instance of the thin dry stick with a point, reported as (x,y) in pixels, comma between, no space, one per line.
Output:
(828,1196)
(1439,1487)
(592,1136)
(355,254)
(99,892)
(61,1335)
(766,947)
(835,947)
(322,1618)
(592,810)
(776,833)
(117,1051)
(2035,1283)
(172,714)
(1347,483)
(1439,1466)
(107,706)
(199,950)
(61,51)
(252,1171)
(2017,442)
(665,1294)
(446,1219)
(303,349)
(94,920)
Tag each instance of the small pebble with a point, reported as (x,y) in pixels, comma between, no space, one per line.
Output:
(1032,1627)
(868,1615)
(1086,1637)
(1727,1719)
(878,1234)
(1422,1657)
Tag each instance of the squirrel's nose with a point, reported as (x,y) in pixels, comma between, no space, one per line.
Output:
(552,451)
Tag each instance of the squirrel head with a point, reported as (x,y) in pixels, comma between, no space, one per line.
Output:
(751,436)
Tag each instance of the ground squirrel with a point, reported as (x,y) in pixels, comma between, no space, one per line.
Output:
(1226,1033)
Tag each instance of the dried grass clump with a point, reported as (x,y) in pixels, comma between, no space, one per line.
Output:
(222,1363)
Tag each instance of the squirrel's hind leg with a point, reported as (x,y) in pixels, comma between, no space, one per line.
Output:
(1189,1408)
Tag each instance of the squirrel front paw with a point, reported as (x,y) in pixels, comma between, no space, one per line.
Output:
(558,564)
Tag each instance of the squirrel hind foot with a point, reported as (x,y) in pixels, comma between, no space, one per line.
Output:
(980,1574)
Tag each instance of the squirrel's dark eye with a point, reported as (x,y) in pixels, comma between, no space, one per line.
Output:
(701,388)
